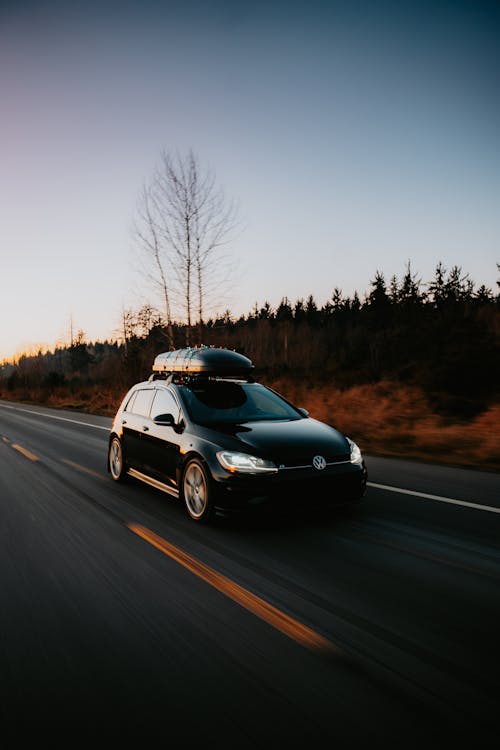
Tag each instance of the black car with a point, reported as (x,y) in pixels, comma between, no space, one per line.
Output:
(201,429)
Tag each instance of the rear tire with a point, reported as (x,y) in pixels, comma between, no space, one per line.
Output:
(116,462)
(197,491)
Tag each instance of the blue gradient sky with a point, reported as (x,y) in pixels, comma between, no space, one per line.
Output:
(354,136)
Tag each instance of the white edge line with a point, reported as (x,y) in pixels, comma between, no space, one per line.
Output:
(53,416)
(477,506)
(387,487)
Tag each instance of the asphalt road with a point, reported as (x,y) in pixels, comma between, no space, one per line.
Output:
(122,619)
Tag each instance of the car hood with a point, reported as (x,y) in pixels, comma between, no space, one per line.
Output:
(287,443)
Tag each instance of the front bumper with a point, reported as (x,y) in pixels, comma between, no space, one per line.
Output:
(335,484)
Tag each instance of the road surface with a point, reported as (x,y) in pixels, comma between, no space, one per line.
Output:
(122,619)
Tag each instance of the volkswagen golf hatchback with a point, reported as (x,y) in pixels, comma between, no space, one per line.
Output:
(202,430)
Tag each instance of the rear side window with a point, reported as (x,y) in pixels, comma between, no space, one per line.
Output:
(142,403)
(130,402)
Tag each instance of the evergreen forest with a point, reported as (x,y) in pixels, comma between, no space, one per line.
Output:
(411,369)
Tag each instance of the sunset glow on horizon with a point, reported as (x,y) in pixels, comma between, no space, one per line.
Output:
(353,139)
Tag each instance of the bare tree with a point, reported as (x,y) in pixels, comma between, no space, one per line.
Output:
(147,231)
(184,220)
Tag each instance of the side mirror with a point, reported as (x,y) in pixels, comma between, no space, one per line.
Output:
(166,420)
(303,411)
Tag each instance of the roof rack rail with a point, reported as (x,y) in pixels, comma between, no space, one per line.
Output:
(179,378)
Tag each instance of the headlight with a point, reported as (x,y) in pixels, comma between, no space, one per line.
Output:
(356,457)
(244,463)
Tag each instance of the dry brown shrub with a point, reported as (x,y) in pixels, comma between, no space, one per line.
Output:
(393,419)
(385,418)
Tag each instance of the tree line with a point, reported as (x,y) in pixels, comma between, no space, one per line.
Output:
(442,336)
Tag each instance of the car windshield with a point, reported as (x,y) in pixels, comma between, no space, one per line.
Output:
(213,402)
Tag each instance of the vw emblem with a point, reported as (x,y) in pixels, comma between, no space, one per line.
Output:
(319,463)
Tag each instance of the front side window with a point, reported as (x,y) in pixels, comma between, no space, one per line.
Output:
(222,401)
(165,403)
(142,402)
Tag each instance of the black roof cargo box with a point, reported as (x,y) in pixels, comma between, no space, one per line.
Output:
(203,360)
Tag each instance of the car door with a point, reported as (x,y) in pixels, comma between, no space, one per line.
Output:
(163,441)
(135,423)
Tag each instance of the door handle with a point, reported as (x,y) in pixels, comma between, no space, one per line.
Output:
(145,428)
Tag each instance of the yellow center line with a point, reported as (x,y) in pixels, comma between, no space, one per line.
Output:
(74,465)
(273,616)
(25,452)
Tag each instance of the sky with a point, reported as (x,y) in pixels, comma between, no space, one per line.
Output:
(353,136)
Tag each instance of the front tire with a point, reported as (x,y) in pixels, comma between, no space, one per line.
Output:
(197,491)
(116,462)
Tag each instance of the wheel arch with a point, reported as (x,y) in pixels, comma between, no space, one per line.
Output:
(186,458)
(112,436)
(209,509)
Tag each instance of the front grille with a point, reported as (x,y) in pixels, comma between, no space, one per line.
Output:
(307,462)
(321,486)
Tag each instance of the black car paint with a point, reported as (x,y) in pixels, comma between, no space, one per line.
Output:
(161,451)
